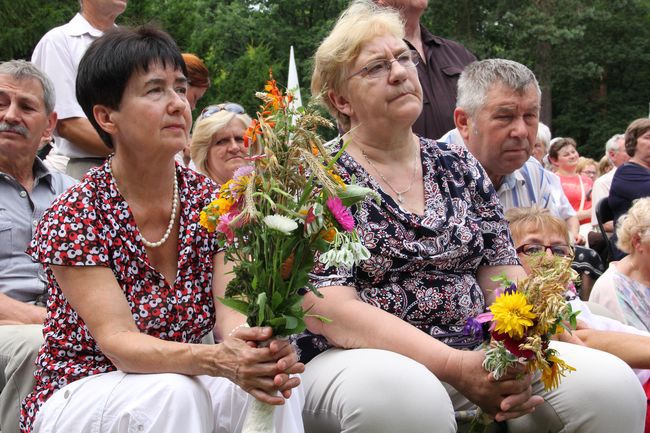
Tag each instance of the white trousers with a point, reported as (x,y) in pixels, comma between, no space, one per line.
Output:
(376,391)
(117,402)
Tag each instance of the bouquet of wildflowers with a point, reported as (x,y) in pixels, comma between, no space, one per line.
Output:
(274,215)
(524,317)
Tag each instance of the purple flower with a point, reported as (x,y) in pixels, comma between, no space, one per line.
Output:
(473,328)
(512,288)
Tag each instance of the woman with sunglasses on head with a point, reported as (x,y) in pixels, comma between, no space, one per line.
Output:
(217,147)
(132,278)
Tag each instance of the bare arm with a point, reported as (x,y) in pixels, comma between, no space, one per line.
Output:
(356,324)
(227,319)
(631,348)
(107,315)
(573,224)
(79,131)
(16,312)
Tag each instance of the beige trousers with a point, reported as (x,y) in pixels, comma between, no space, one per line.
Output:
(376,391)
(19,345)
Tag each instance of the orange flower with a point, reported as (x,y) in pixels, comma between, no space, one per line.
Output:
(328,235)
(250,136)
(287,266)
(274,93)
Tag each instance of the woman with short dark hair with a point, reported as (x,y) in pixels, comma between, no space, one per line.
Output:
(132,278)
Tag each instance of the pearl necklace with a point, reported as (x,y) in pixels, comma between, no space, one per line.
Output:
(172,218)
(400,199)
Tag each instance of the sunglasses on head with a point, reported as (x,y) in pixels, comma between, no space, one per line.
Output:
(230,107)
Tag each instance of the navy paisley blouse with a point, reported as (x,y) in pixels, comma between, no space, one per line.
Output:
(423,268)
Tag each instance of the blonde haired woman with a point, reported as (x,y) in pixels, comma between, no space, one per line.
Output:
(217,147)
(625,287)
(392,358)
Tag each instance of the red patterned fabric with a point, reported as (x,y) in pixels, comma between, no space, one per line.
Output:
(91,225)
(647,414)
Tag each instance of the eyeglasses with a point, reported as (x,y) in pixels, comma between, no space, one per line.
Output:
(378,68)
(211,110)
(556,250)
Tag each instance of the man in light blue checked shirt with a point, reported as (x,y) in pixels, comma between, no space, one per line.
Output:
(497,118)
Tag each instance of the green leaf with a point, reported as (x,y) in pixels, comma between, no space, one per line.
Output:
(235,304)
(319,317)
(291,322)
(276,300)
(261,304)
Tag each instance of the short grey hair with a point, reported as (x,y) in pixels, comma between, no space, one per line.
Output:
(544,135)
(23,70)
(612,143)
(478,77)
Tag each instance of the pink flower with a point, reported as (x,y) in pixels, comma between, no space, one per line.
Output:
(242,171)
(341,213)
(224,226)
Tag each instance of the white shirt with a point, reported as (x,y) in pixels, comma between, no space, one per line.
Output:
(58,54)
(599,191)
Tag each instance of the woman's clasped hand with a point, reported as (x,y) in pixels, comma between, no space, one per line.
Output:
(259,368)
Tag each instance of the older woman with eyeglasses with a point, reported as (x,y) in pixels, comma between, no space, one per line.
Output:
(537,235)
(217,147)
(393,357)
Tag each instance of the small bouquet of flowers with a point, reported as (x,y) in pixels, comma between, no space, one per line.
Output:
(275,214)
(524,317)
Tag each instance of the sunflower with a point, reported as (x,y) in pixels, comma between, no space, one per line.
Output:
(512,314)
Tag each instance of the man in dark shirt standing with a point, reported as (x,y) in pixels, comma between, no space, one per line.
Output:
(441,62)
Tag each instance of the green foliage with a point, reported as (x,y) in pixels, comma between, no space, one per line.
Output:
(590,56)
(24,22)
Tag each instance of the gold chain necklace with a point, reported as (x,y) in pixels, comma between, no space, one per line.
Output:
(400,194)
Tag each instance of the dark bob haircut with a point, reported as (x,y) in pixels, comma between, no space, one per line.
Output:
(112,59)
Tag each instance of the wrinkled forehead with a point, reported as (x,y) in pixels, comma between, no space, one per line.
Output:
(25,88)
(539,233)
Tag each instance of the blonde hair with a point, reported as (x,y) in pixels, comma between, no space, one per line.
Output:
(584,162)
(636,222)
(605,165)
(524,220)
(361,22)
(203,132)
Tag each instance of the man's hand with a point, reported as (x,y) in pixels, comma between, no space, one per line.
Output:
(16,312)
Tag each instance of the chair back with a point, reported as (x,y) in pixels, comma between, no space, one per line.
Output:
(604,214)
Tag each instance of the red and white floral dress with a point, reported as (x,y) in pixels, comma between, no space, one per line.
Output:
(91,225)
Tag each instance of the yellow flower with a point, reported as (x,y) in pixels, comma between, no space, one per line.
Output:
(223,204)
(552,372)
(512,314)
(206,222)
(337,179)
